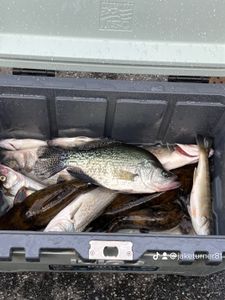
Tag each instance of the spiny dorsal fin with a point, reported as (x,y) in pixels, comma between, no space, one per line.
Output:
(96,144)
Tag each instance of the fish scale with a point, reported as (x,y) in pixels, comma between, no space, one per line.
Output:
(104,165)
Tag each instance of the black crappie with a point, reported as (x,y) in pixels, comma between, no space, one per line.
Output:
(113,165)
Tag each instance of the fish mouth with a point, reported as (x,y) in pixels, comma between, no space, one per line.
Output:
(188,150)
(170,186)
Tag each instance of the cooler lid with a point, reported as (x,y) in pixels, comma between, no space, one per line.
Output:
(173,37)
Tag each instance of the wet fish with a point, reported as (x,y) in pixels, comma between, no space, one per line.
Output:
(71,142)
(115,166)
(176,156)
(21,144)
(149,219)
(200,208)
(36,211)
(82,210)
(11,182)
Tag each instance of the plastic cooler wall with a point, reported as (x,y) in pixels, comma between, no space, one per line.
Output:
(133,112)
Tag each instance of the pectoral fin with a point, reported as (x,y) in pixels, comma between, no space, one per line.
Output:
(79,174)
(126,175)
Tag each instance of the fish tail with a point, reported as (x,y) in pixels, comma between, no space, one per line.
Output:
(50,161)
(204,143)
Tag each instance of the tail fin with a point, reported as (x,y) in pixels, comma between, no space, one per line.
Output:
(204,143)
(50,161)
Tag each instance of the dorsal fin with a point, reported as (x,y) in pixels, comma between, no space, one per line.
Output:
(96,144)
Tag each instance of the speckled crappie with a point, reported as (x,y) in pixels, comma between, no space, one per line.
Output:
(113,165)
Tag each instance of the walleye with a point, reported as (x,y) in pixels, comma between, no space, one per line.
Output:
(21,144)
(115,166)
(12,182)
(38,209)
(82,210)
(200,208)
(176,156)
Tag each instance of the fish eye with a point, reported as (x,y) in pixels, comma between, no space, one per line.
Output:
(2,178)
(166,174)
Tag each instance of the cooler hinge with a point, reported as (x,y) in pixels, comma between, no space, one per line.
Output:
(193,79)
(33,72)
(196,79)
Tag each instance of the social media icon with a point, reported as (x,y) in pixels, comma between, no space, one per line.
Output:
(164,257)
(156,256)
(173,255)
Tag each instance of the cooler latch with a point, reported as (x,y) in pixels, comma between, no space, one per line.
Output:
(111,250)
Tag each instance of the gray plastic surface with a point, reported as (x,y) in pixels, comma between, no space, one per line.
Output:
(132,36)
(134,112)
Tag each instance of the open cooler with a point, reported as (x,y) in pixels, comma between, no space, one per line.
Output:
(135,36)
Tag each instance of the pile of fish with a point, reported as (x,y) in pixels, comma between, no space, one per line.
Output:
(101,185)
